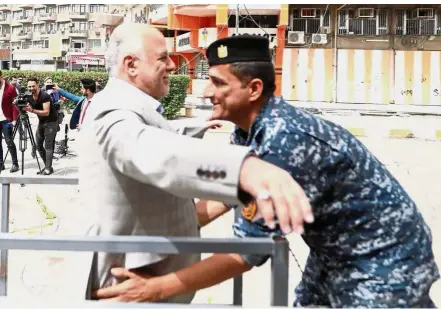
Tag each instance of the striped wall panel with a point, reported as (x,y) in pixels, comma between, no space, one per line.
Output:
(418,77)
(365,76)
(307,74)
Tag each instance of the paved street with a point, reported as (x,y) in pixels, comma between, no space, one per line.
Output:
(415,162)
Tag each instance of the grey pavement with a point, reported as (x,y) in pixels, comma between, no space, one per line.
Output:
(42,275)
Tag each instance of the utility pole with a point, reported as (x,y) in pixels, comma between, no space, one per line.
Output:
(237,19)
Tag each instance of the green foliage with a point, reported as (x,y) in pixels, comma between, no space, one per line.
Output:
(70,81)
(174,101)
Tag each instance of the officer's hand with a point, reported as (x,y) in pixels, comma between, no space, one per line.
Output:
(13,123)
(286,199)
(213,124)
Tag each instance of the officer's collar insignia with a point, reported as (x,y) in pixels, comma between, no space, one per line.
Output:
(222,51)
(249,211)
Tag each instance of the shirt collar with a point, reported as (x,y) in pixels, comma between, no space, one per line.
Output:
(123,86)
(242,137)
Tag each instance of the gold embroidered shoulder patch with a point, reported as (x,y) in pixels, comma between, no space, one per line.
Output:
(249,211)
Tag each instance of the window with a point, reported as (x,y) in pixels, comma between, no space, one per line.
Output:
(361,21)
(91,25)
(97,8)
(39,12)
(51,10)
(79,8)
(94,43)
(50,27)
(26,44)
(201,68)
(254,21)
(309,20)
(418,22)
(16,30)
(38,27)
(27,28)
(63,9)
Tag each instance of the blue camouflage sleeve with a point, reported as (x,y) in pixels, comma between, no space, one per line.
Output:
(244,228)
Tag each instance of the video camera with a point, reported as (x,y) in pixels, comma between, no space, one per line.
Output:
(23,99)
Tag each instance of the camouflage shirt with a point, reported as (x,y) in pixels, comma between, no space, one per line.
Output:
(369,244)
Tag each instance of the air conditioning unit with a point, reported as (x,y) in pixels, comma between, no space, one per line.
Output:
(308,13)
(365,12)
(318,38)
(422,13)
(296,37)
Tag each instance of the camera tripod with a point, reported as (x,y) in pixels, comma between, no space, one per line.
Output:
(23,125)
(62,147)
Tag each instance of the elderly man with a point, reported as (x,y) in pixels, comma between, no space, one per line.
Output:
(137,176)
(369,244)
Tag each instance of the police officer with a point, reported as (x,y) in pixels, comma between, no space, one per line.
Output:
(369,244)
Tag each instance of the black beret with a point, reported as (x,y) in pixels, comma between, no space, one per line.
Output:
(238,48)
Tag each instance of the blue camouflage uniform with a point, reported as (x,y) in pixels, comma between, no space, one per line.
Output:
(369,244)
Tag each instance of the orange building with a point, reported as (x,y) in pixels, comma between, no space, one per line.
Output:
(191,28)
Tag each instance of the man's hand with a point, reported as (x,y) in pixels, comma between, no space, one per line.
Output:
(56,87)
(286,197)
(13,123)
(28,108)
(136,288)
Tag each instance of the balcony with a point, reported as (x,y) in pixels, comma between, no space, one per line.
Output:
(201,10)
(26,19)
(25,6)
(255,9)
(107,19)
(5,21)
(63,17)
(5,7)
(5,37)
(79,15)
(78,33)
(24,36)
(48,17)
(158,13)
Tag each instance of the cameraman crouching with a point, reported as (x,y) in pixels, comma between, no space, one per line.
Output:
(47,124)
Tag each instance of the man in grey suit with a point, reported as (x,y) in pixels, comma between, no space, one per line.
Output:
(138,177)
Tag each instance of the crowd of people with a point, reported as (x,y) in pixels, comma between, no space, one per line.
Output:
(45,102)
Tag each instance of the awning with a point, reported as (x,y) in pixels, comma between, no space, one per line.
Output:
(86,59)
(33,56)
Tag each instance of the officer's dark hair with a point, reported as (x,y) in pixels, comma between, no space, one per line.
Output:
(89,84)
(246,71)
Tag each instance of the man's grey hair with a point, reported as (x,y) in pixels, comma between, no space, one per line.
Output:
(120,44)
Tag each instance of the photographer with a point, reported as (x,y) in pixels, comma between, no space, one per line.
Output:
(8,117)
(43,107)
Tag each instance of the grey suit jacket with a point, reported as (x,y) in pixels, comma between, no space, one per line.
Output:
(138,177)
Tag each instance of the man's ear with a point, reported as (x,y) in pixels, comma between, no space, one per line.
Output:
(130,65)
(256,89)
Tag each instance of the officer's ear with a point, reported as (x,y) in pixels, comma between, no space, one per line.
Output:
(255,87)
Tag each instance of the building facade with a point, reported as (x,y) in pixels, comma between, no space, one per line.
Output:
(190,28)
(382,54)
(53,37)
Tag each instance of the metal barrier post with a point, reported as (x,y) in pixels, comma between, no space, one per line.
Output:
(280,274)
(4,228)
(238,281)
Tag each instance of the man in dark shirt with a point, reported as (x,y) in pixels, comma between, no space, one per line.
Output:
(47,124)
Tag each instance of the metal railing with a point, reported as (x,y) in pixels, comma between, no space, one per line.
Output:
(276,249)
